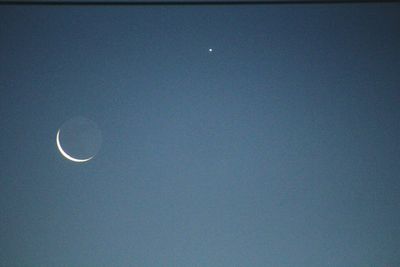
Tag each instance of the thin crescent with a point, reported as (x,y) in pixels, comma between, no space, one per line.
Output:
(65,154)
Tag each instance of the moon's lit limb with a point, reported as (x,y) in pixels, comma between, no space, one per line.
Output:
(65,154)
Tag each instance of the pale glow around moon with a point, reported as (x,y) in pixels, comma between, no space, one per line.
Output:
(210,50)
(65,154)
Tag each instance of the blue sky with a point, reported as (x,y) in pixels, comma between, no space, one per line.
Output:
(278,148)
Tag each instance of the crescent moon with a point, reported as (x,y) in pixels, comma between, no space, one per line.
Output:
(65,153)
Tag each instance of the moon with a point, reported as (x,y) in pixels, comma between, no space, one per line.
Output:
(65,154)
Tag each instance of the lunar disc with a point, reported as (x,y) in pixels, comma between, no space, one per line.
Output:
(78,139)
(65,154)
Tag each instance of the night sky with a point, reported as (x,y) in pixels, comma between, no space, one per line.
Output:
(280,147)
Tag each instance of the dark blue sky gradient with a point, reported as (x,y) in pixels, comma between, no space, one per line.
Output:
(279,148)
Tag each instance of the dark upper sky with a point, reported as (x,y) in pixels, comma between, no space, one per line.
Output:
(278,148)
